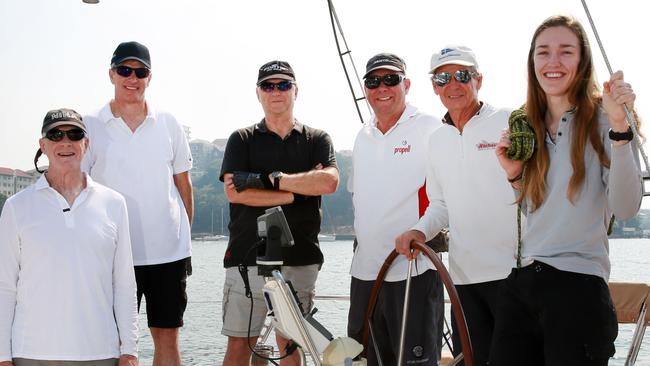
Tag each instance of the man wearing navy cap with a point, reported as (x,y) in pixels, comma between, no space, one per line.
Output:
(143,153)
(67,289)
(388,164)
(276,162)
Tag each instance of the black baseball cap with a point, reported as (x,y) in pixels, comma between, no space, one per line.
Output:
(275,70)
(389,61)
(62,117)
(131,51)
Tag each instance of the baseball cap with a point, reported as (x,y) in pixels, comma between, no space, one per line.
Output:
(387,61)
(131,51)
(62,117)
(275,70)
(453,54)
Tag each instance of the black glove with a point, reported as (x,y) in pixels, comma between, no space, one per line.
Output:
(245,180)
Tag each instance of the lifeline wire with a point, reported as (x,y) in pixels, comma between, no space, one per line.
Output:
(630,116)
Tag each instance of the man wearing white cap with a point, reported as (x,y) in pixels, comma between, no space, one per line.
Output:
(468,193)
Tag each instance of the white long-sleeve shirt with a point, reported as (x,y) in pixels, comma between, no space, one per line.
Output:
(67,287)
(469,192)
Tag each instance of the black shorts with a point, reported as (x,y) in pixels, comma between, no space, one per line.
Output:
(423,343)
(546,316)
(163,286)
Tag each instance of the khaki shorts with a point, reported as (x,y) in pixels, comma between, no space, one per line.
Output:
(236,306)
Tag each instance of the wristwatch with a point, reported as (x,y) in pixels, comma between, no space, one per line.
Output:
(277,175)
(621,136)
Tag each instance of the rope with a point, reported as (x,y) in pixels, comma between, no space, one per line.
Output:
(522,137)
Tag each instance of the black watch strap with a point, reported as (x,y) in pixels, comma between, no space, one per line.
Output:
(621,136)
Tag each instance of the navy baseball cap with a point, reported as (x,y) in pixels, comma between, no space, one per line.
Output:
(131,51)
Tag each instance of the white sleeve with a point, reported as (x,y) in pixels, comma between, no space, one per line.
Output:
(436,216)
(124,289)
(9,269)
(182,153)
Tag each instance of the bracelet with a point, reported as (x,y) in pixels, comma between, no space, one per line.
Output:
(512,180)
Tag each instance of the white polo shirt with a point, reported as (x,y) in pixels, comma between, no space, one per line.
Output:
(469,193)
(388,191)
(140,165)
(67,288)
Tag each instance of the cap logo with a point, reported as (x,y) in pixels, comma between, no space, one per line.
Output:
(445,51)
(275,67)
(63,114)
(382,60)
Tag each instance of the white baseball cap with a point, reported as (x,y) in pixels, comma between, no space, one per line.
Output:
(453,54)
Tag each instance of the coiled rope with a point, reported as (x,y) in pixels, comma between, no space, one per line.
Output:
(522,137)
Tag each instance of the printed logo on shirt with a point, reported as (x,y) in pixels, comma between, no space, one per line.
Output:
(484,145)
(404,149)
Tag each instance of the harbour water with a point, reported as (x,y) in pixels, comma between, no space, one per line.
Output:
(202,343)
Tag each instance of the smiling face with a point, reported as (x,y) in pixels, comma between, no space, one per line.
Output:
(65,154)
(129,89)
(556,58)
(458,97)
(388,101)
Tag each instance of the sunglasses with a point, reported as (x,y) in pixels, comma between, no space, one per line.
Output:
(57,135)
(126,71)
(281,86)
(373,82)
(462,76)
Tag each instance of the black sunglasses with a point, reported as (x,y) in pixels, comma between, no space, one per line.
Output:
(126,71)
(56,135)
(373,82)
(281,86)
(462,76)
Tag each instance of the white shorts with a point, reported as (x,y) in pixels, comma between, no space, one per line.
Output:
(236,306)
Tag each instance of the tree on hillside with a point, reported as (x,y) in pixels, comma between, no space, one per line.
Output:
(3,198)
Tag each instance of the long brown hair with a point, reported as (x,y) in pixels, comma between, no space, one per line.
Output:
(584,95)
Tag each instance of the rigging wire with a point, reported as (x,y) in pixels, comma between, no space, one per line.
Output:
(336,24)
(630,116)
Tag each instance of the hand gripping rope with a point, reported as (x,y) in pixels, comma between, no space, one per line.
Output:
(631,120)
(522,137)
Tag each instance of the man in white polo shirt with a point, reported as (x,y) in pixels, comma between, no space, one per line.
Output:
(470,194)
(388,165)
(143,153)
(67,289)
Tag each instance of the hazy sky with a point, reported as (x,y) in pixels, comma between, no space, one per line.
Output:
(205,55)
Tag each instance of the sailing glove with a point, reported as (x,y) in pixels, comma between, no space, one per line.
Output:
(245,180)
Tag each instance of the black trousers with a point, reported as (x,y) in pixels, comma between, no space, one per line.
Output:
(479,301)
(549,317)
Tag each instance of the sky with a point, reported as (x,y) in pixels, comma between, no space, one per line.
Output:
(206,53)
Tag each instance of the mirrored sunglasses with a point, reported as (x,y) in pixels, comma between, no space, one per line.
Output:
(373,82)
(462,76)
(281,86)
(57,135)
(126,71)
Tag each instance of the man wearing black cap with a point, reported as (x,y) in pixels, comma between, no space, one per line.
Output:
(388,184)
(276,162)
(67,289)
(143,153)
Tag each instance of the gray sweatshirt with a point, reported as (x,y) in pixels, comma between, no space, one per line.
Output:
(573,236)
